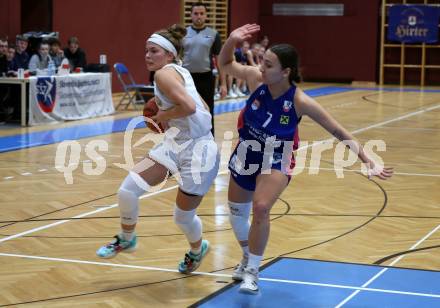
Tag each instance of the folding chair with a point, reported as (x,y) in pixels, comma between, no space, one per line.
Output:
(133,91)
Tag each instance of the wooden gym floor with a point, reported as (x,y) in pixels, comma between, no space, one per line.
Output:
(49,230)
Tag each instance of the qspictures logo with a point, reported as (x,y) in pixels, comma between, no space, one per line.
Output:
(68,155)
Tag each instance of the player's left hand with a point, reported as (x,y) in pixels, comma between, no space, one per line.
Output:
(223,91)
(375,169)
(160,118)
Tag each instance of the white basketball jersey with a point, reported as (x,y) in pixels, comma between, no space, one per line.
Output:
(194,126)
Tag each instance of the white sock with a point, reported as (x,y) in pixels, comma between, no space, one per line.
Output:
(254,261)
(196,251)
(128,235)
(245,251)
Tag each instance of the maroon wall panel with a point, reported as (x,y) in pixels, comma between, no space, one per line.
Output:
(117,28)
(242,12)
(35,15)
(333,48)
(10,19)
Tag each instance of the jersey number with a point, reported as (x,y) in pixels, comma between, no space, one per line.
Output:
(268,119)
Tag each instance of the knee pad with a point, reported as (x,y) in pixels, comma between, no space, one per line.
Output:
(128,199)
(239,219)
(189,223)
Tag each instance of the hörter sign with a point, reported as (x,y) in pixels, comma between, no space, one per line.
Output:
(413,23)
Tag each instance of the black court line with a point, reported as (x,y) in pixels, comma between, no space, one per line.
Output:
(135,286)
(271,262)
(229,286)
(354,229)
(406,252)
(59,210)
(116,289)
(226,215)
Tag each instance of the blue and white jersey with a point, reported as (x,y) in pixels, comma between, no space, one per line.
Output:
(268,136)
(264,119)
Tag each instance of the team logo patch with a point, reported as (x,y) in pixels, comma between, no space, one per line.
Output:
(46,93)
(287,106)
(255,105)
(284,120)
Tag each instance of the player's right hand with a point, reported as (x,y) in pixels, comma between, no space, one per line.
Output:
(244,32)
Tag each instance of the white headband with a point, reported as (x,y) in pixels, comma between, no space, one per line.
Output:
(163,42)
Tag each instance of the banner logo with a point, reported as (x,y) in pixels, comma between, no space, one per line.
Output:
(413,23)
(46,93)
(412,20)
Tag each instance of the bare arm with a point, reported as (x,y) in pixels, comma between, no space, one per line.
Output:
(171,85)
(222,79)
(204,103)
(305,105)
(227,62)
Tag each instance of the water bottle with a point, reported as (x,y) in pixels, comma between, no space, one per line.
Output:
(51,68)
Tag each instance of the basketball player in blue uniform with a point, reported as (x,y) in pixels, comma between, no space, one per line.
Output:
(262,162)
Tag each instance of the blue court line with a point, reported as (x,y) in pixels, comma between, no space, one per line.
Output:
(34,139)
(315,283)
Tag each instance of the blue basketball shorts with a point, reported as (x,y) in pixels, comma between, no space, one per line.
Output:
(246,164)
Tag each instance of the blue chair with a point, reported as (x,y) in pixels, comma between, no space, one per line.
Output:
(132,91)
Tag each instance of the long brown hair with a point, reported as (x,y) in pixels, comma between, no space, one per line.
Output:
(288,57)
(174,34)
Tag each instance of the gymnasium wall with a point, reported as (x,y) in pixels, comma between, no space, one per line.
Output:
(10,18)
(117,28)
(242,12)
(331,48)
(343,48)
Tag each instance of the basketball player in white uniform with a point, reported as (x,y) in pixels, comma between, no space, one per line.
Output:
(188,151)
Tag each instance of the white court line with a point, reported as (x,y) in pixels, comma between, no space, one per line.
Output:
(352,170)
(358,289)
(403,117)
(80,216)
(412,128)
(149,268)
(417,174)
(307,146)
(86,214)
(385,269)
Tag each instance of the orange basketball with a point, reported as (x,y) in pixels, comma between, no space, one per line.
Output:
(151,109)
